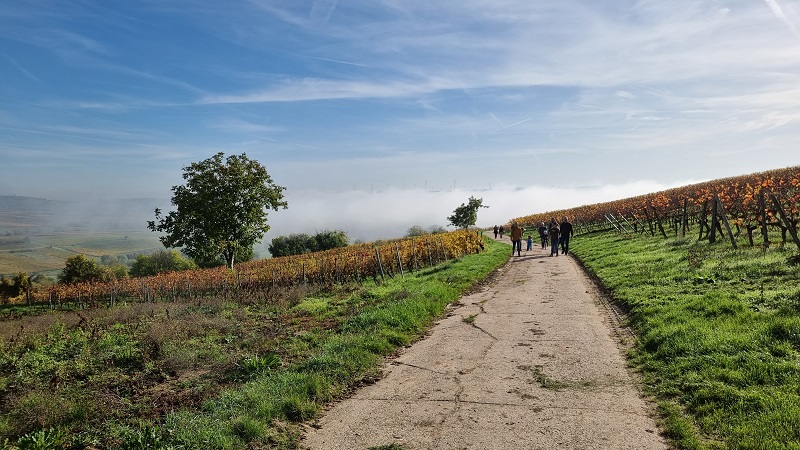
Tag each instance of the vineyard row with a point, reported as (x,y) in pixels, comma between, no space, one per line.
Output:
(354,263)
(745,204)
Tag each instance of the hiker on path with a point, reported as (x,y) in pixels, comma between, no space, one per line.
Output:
(496,230)
(566,233)
(502,230)
(554,232)
(543,234)
(530,243)
(516,239)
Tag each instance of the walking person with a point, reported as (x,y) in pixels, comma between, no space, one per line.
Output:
(496,230)
(530,243)
(543,234)
(554,233)
(566,233)
(502,230)
(516,239)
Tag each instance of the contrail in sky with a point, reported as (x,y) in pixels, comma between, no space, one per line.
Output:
(517,123)
(338,61)
(778,11)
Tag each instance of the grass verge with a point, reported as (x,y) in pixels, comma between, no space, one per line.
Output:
(718,335)
(212,374)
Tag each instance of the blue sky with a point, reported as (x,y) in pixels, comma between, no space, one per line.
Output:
(413,105)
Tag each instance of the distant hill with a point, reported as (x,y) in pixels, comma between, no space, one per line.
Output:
(20,215)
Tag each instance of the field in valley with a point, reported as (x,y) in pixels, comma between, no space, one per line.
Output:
(37,235)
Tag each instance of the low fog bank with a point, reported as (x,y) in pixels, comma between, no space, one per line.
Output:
(41,215)
(368,216)
(365,216)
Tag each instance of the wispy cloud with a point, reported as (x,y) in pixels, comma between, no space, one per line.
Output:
(392,93)
(22,69)
(778,11)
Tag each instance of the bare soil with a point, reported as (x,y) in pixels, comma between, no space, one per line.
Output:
(532,360)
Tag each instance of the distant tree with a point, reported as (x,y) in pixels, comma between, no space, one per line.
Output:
(416,230)
(466,215)
(79,268)
(293,244)
(299,243)
(118,271)
(7,289)
(108,260)
(22,283)
(436,229)
(221,209)
(161,261)
(328,239)
(43,280)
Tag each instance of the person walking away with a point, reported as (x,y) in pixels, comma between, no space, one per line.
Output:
(566,233)
(543,234)
(516,239)
(530,243)
(502,230)
(554,233)
(495,231)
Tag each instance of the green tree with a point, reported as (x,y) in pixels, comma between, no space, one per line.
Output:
(416,230)
(161,261)
(221,209)
(299,243)
(7,290)
(42,280)
(293,244)
(328,239)
(466,215)
(79,268)
(108,260)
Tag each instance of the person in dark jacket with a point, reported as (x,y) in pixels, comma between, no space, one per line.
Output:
(554,232)
(543,234)
(566,233)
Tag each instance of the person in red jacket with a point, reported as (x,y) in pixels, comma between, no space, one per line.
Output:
(516,239)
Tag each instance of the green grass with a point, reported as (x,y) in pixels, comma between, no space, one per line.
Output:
(719,335)
(212,373)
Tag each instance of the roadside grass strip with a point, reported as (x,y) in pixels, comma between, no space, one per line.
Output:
(268,409)
(718,335)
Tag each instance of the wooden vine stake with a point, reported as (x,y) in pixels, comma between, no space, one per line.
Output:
(785,219)
(430,257)
(724,218)
(380,264)
(763,210)
(703,223)
(649,221)
(399,261)
(622,216)
(685,219)
(612,223)
(712,237)
(658,222)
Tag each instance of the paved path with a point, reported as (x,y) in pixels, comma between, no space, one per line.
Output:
(539,367)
